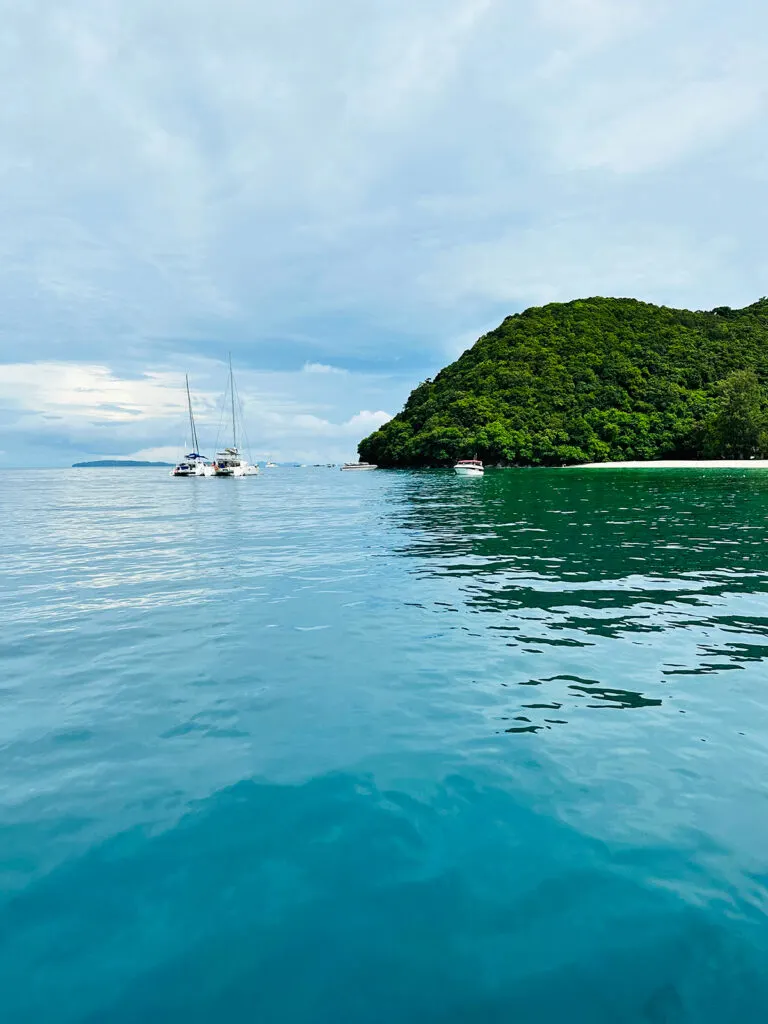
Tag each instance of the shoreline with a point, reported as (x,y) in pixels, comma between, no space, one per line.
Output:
(679,464)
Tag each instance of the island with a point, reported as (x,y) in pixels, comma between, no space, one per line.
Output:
(595,380)
(112,463)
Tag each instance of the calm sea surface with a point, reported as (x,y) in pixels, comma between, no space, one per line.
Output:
(329,748)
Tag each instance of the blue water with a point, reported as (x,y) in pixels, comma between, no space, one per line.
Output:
(354,748)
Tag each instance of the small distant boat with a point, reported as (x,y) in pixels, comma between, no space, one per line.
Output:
(193,464)
(229,461)
(358,466)
(270,464)
(468,467)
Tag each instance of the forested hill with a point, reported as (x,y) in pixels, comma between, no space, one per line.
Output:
(591,381)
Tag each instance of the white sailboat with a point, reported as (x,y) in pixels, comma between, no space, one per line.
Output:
(193,464)
(229,461)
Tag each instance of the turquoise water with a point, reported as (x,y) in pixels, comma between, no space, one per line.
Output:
(354,748)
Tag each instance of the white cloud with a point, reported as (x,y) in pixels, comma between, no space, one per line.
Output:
(595,21)
(163,453)
(86,392)
(630,133)
(100,414)
(536,267)
(358,425)
(323,186)
(322,368)
(365,421)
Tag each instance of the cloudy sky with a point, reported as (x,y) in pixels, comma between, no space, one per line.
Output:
(345,195)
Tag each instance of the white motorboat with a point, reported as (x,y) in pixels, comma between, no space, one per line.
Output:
(468,467)
(270,464)
(229,461)
(193,464)
(358,466)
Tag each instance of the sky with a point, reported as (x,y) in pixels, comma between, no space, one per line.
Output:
(345,196)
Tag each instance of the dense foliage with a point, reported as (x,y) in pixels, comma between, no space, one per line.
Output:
(593,380)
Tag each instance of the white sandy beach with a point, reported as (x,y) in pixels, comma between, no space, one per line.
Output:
(680,464)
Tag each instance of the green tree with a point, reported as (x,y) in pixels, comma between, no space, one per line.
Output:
(596,379)
(735,429)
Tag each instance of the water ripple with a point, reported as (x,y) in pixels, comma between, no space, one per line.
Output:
(393,747)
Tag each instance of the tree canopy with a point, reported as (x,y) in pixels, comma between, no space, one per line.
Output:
(592,380)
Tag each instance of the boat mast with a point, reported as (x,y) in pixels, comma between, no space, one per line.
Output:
(195,444)
(232,394)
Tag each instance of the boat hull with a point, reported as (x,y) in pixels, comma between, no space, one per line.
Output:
(237,471)
(197,471)
(467,471)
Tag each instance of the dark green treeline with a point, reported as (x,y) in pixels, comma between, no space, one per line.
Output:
(593,380)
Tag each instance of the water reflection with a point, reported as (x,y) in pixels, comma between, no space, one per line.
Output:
(575,526)
(384,748)
(566,694)
(625,583)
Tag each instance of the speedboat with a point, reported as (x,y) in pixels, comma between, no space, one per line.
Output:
(357,466)
(468,467)
(230,462)
(270,464)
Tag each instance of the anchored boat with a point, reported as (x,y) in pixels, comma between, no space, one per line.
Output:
(193,464)
(229,461)
(468,467)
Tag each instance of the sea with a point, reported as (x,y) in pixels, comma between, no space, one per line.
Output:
(362,748)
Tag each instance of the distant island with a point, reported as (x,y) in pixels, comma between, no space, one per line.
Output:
(111,463)
(593,380)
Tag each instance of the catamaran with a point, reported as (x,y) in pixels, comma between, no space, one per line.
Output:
(229,461)
(193,464)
